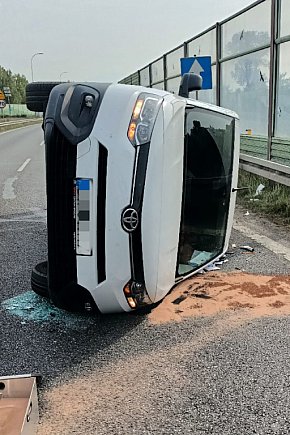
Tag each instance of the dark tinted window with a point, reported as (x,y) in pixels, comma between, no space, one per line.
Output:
(208,155)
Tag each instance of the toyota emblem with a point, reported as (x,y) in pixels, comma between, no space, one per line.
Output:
(130,219)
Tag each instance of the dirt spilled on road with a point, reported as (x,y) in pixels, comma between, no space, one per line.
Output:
(212,293)
(101,398)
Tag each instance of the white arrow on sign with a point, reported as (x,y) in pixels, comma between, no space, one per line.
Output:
(196,67)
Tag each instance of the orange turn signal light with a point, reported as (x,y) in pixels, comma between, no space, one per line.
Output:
(127,289)
(131,131)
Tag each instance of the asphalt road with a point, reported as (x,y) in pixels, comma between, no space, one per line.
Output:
(22,171)
(122,374)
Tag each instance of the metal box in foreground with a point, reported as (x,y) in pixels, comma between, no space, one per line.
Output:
(18,405)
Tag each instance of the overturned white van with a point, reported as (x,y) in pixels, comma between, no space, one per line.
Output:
(140,192)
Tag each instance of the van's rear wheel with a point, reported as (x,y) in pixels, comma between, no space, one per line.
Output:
(37,95)
(39,282)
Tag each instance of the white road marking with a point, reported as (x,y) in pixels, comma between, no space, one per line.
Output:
(268,243)
(41,143)
(8,190)
(23,165)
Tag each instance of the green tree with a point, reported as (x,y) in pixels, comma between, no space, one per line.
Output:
(17,84)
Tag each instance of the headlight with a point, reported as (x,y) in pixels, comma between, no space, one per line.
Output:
(143,118)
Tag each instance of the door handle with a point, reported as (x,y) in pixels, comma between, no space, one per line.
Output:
(235,189)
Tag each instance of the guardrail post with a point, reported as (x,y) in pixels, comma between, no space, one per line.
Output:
(150,75)
(218,65)
(164,72)
(272,76)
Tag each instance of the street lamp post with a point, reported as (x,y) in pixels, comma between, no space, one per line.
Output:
(64,72)
(31,62)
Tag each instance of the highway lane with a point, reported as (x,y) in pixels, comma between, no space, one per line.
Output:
(218,374)
(22,177)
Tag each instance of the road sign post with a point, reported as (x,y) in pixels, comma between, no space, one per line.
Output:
(7,93)
(200,65)
(2,106)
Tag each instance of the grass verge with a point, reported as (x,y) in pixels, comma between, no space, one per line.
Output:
(273,201)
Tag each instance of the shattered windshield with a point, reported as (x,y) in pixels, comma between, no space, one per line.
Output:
(208,155)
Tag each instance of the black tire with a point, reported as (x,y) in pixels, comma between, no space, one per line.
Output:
(39,282)
(37,95)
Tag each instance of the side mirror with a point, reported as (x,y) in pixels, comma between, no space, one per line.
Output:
(189,82)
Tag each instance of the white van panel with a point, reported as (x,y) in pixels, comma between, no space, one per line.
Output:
(162,200)
(111,131)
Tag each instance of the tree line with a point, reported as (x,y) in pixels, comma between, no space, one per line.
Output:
(16,83)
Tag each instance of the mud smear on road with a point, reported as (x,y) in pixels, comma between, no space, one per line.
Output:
(215,292)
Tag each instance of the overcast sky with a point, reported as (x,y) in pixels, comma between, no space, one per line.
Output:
(99,40)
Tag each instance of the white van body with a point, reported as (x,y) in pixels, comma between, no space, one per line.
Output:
(129,255)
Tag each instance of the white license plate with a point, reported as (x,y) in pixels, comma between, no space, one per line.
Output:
(83,188)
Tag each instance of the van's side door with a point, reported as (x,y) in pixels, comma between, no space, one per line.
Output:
(211,149)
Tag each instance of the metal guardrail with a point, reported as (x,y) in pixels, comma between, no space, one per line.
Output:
(10,125)
(265,168)
(20,121)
